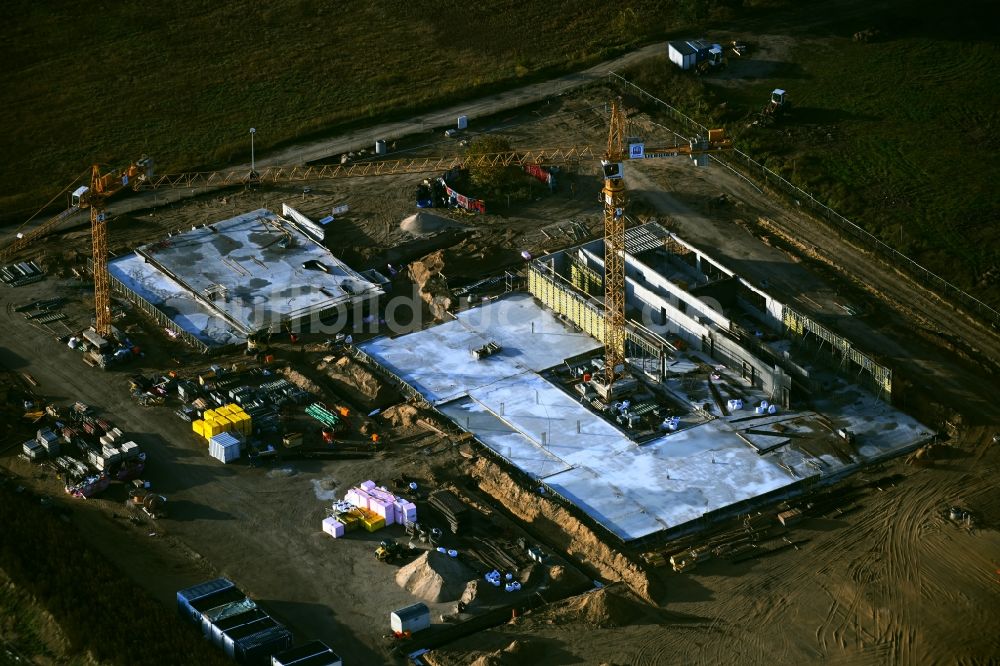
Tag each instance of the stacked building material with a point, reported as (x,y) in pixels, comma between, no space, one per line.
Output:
(452,508)
(369,507)
(48,441)
(334,527)
(224,447)
(229,418)
(323,415)
(33,449)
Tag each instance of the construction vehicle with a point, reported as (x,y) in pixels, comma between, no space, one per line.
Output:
(776,107)
(388,551)
(714,60)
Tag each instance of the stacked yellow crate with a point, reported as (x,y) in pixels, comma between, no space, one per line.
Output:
(228,418)
(212,428)
(351,519)
(240,419)
(371,521)
(223,421)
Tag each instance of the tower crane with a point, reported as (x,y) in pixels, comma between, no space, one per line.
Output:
(614,198)
(101,189)
(139,176)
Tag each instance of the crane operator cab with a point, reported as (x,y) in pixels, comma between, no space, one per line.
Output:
(80,196)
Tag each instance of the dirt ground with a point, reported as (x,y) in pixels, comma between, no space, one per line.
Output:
(894,582)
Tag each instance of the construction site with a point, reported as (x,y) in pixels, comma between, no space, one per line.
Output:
(629,409)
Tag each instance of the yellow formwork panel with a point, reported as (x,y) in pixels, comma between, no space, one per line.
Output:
(563,301)
(225,410)
(198,427)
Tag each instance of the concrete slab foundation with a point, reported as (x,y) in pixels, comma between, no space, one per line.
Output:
(708,466)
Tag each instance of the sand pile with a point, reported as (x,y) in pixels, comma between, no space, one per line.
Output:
(426,273)
(424,223)
(401,416)
(349,377)
(434,577)
(517,652)
(612,606)
(565,580)
(300,380)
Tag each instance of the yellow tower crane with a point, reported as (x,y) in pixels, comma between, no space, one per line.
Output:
(614,247)
(139,176)
(615,201)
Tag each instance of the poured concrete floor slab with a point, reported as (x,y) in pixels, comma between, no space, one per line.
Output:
(438,361)
(225,280)
(706,467)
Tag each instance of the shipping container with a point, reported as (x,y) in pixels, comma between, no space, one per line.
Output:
(220,627)
(190,595)
(257,649)
(231,636)
(213,616)
(313,653)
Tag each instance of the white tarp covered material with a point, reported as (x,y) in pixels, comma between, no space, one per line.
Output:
(224,447)
(304,222)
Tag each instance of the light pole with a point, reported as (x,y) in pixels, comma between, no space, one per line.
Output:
(253,131)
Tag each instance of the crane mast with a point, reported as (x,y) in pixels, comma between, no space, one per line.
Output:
(614,248)
(99,233)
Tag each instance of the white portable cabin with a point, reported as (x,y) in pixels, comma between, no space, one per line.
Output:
(683,54)
(414,618)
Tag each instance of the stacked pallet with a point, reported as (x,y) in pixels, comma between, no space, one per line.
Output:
(371,508)
(452,508)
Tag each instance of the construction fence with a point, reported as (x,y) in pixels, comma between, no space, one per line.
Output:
(756,172)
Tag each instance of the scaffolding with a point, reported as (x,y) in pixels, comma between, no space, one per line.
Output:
(802,326)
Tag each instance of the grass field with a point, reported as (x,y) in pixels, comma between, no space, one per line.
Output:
(899,134)
(184,81)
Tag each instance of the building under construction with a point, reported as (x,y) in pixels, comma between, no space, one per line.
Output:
(715,415)
(217,285)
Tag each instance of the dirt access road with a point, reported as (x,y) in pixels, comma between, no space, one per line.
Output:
(328,149)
